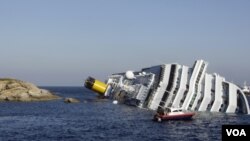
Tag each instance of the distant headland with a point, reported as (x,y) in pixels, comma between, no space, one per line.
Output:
(17,90)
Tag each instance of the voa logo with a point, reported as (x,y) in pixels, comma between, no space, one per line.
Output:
(236,132)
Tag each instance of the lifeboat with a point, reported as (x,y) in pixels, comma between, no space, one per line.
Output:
(173,114)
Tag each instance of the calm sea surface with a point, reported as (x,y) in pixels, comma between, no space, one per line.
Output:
(96,119)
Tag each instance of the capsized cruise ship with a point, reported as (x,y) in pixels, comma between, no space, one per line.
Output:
(174,85)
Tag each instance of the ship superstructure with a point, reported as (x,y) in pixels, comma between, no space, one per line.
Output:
(246,89)
(174,85)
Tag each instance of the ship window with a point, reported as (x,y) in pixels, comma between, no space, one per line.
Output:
(241,103)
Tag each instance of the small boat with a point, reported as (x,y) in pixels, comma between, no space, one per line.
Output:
(173,114)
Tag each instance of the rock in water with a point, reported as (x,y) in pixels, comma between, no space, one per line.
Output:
(17,90)
(71,100)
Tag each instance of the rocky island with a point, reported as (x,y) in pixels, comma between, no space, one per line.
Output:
(17,90)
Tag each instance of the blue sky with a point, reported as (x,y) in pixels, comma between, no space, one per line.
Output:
(61,43)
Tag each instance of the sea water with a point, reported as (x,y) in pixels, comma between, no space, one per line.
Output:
(100,120)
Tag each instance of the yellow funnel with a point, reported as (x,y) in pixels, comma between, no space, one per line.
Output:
(95,85)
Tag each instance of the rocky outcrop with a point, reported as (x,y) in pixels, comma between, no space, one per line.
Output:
(17,90)
(71,100)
